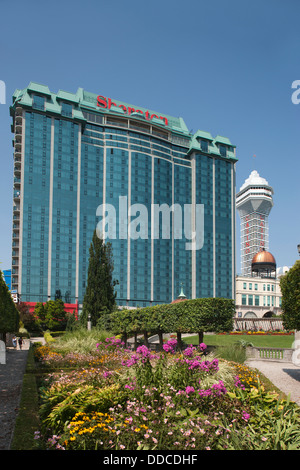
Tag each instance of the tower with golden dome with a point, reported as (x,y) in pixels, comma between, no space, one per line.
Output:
(254,202)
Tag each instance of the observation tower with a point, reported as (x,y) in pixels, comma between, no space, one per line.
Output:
(254,202)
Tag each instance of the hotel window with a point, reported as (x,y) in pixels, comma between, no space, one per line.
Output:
(272,287)
(250,299)
(245,285)
(204,145)
(222,149)
(244,299)
(250,285)
(255,287)
(268,301)
(38,102)
(257,300)
(268,287)
(66,109)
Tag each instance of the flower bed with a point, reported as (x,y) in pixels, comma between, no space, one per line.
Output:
(172,400)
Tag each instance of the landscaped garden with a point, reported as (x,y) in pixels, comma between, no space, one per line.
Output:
(96,394)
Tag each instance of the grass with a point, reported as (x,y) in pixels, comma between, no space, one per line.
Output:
(272,341)
(80,341)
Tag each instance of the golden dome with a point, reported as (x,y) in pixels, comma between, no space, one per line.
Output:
(263,257)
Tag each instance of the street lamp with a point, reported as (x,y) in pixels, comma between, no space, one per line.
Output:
(89,324)
(298,248)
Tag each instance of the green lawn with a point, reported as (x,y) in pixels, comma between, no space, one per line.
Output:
(272,341)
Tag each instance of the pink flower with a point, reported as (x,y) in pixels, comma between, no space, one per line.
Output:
(170,345)
(245,416)
(189,390)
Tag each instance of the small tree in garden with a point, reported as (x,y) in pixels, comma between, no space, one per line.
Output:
(100,295)
(9,315)
(26,317)
(290,289)
(51,315)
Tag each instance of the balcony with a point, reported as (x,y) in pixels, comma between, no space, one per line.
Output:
(18,146)
(18,129)
(17,183)
(18,156)
(17,171)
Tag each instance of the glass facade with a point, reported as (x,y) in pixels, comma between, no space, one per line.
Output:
(71,157)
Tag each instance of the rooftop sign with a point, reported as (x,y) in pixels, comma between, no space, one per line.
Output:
(107,103)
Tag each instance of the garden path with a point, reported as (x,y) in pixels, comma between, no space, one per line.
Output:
(11,378)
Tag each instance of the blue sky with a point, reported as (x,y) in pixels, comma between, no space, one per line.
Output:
(225,67)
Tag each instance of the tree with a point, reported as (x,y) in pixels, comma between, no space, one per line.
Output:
(51,315)
(290,289)
(9,315)
(55,315)
(100,295)
(26,317)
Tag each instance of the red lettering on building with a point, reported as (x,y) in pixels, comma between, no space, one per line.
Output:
(101,101)
(107,103)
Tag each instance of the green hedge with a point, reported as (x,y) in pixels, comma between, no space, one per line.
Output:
(9,315)
(189,316)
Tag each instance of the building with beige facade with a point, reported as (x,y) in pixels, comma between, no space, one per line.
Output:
(259,295)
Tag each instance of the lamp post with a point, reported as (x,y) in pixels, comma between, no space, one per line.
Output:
(298,246)
(89,323)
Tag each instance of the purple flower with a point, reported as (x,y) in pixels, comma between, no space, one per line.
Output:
(245,416)
(144,351)
(189,390)
(238,383)
(170,345)
(189,351)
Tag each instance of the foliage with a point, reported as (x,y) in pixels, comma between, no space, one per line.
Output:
(290,289)
(197,315)
(50,315)
(100,292)
(80,341)
(274,424)
(26,317)
(9,315)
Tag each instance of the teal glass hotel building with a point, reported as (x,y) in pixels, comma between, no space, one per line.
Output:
(75,152)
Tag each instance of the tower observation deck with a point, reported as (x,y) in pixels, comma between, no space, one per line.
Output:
(254,202)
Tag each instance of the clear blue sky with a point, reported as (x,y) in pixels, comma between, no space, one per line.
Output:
(225,67)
